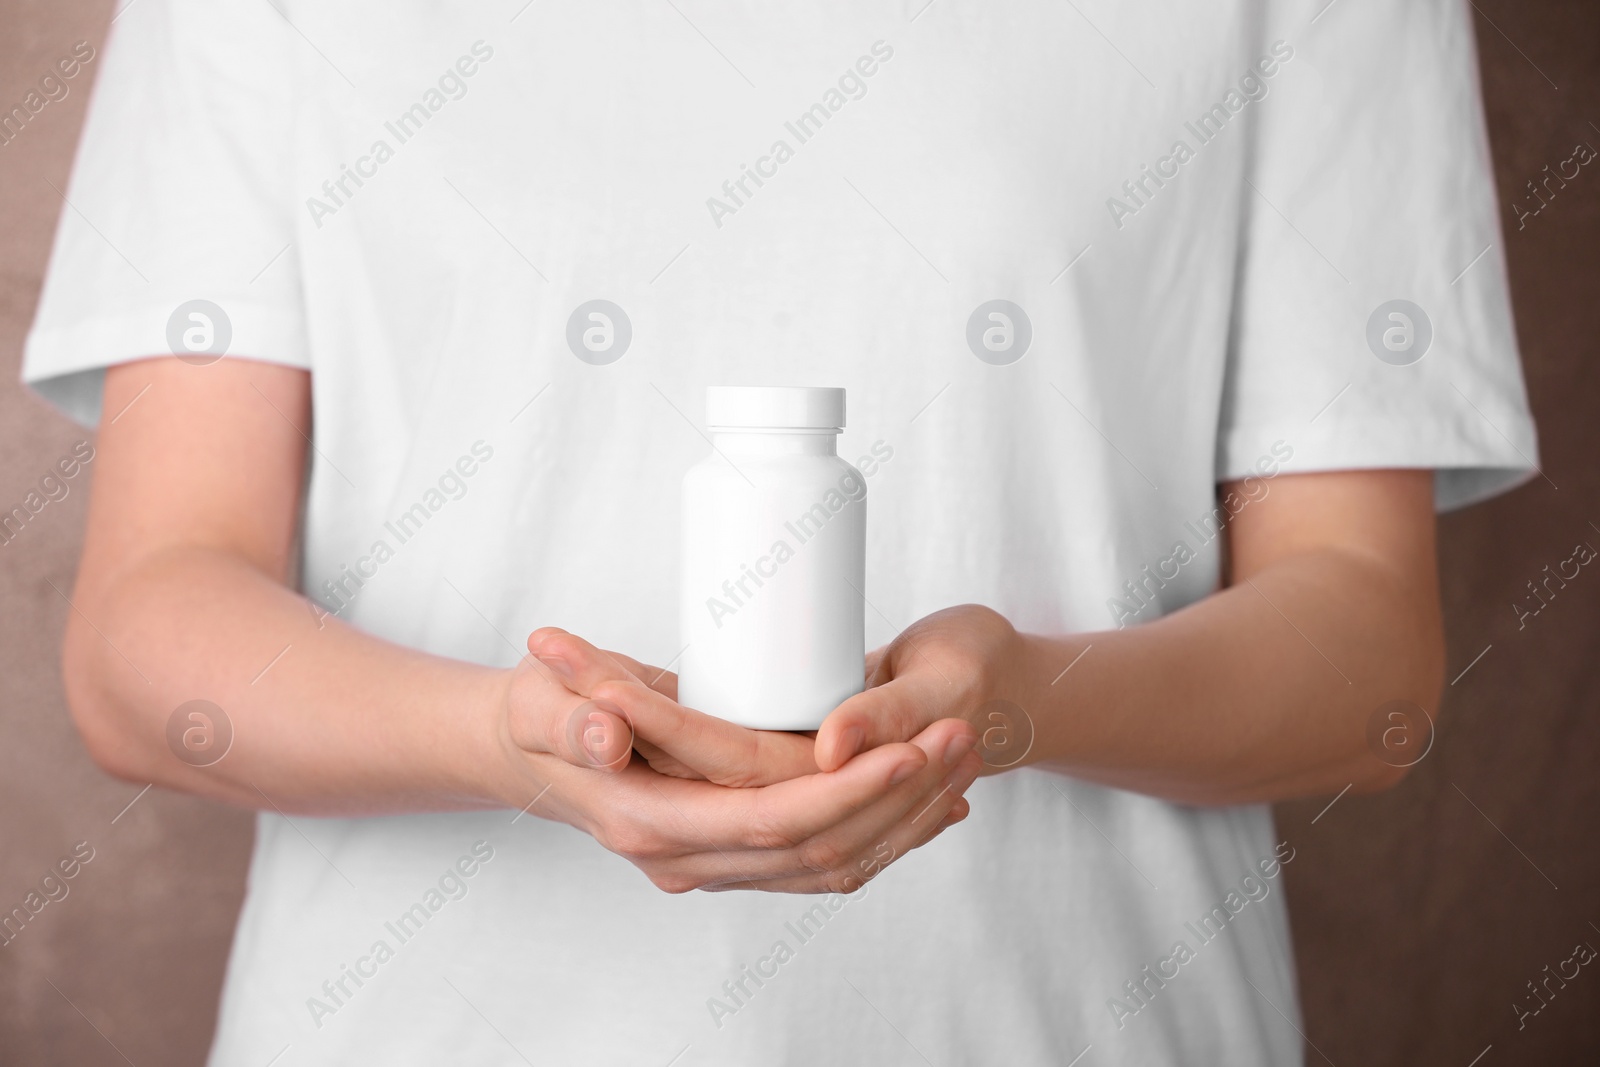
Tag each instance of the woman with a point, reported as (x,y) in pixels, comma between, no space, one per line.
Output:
(1175,326)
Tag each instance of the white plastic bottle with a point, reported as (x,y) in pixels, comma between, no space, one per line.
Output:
(774,561)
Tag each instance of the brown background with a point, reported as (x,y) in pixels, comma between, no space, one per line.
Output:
(1419,915)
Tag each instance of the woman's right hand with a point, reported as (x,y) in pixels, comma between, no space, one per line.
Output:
(814,833)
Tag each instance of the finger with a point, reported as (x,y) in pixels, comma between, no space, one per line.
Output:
(584,735)
(722,751)
(919,802)
(907,814)
(880,715)
(958,813)
(691,817)
(704,747)
(598,738)
(660,679)
(913,831)
(875,660)
(780,871)
(592,662)
(544,717)
(580,665)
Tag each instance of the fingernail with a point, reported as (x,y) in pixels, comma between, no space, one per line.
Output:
(967,772)
(904,771)
(850,742)
(557,664)
(959,746)
(595,731)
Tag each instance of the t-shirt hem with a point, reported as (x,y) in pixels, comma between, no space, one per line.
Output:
(66,366)
(1469,467)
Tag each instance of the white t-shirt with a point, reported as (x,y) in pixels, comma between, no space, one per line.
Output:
(1197,215)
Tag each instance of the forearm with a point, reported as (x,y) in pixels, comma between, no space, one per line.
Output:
(326,719)
(1260,692)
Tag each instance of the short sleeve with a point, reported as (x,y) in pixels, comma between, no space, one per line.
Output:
(176,225)
(1372,320)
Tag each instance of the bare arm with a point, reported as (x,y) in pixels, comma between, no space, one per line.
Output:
(181,596)
(1260,692)
(1263,691)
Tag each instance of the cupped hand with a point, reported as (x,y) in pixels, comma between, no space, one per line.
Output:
(674,740)
(542,716)
(824,832)
(950,665)
(718,806)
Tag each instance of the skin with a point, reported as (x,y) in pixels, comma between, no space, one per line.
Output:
(183,592)
(1260,692)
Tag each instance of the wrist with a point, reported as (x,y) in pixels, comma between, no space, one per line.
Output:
(519,770)
(1002,710)
(1042,676)
(496,770)
(517,710)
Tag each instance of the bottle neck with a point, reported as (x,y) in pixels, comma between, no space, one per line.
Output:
(775,442)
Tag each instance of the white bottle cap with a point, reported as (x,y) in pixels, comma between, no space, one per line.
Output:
(763,407)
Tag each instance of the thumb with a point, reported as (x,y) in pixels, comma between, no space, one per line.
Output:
(882,715)
(544,718)
(581,666)
(593,737)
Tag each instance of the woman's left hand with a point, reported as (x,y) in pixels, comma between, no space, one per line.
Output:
(953,664)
